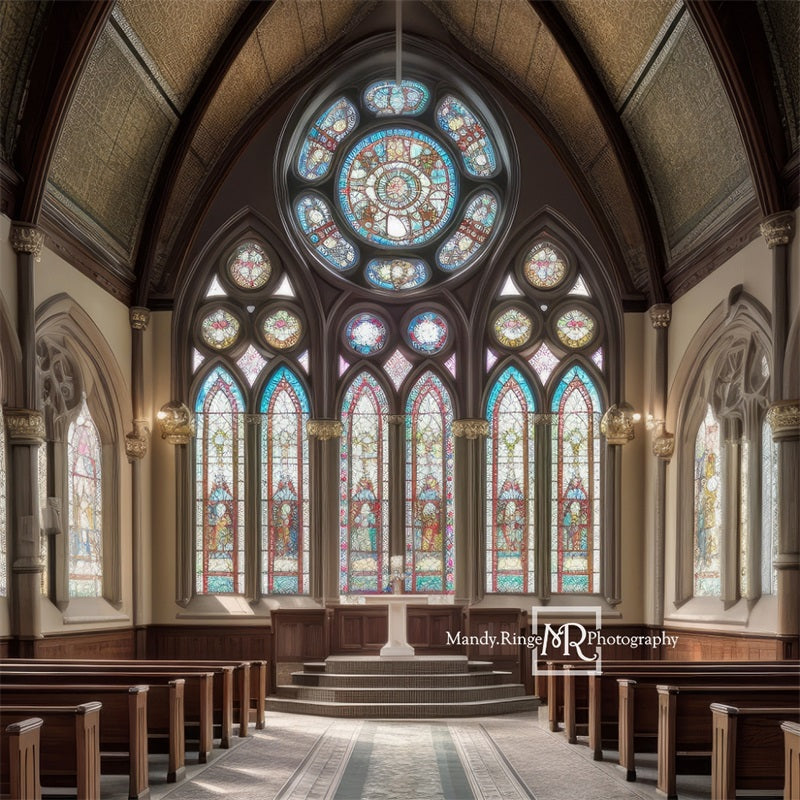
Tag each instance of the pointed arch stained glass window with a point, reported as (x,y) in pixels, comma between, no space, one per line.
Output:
(769,511)
(364,494)
(575,494)
(85,499)
(430,545)
(510,555)
(219,492)
(323,138)
(707,506)
(459,122)
(3,510)
(284,486)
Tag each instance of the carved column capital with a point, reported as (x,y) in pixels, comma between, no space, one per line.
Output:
(470,428)
(778,229)
(176,423)
(25,425)
(617,424)
(137,441)
(784,419)
(396,419)
(664,446)
(324,429)
(139,317)
(661,315)
(26,239)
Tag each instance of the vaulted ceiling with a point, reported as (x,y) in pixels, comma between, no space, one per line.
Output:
(677,122)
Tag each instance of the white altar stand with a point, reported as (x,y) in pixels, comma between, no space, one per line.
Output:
(397,645)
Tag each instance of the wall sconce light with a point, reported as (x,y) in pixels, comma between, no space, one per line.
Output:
(176,423)
(617,423)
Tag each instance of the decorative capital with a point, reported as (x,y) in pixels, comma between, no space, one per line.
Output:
(25,425)
(396,419)
(617,424)
(139,317)
(778,229)
(137,441)
(661,315)
(324,428)
(27,239)
(784,419)
(470,428)
(664,446)
(176,423)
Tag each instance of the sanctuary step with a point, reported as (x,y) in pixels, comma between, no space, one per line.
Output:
(403,688)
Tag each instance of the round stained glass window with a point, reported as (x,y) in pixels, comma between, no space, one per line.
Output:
(575,328)
(219,329)
(544,268)
(397,187)
(513,328)
(427,332)
(282,329)
(397,274)
(366,334)
(249,267)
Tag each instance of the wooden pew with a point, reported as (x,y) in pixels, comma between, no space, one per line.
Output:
(791,734)
(19,759)
(746,749)
(123,724)
(68,754)
(685,727)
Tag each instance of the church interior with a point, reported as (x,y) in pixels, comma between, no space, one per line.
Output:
(353,353)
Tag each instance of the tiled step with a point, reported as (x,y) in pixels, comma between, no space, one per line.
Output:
(426,665)
(445,680)
(387,695)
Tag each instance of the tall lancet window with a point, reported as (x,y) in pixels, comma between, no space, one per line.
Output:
(769,511)
(3,510)
(364,488)
(85,498)
(430,546)
(219,496)
(575,500)
(707,506)
(284,486)
(510,556)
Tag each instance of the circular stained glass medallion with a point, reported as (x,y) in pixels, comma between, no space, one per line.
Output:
(219,329)
(249,267)
(575,328)
(366,333)
(427,332)
(397,187)
(397,274)
(544,268)
(282,329)
(513,328)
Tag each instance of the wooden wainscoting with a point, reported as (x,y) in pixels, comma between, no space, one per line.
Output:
(118,643)
(694,645)
(428,627)
(209,642)
(358,630)
(497,622)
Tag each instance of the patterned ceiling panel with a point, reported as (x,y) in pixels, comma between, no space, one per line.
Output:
(682,125)
(515,46)
(281,39)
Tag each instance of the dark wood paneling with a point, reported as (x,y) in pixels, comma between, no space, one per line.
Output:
(714,646)
(428,627)
(87,644)
(299,635)
(358,630)
(209,642)
(497,625)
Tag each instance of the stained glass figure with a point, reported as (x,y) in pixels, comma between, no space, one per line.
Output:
(575,498)
(323,234)
(387,99)
(397,187)
(3,510)
(543,361)
(397,274)
(707,506)
(451,365)
(458,121)
(282,329)
(321,141)
(215,288)
(598,358)
(576,328)
(769,510)
(510,288)
(513,328)
(430,541)
(220,329)
(251,363)
(219,485)
(85,502)
(284,288)
(285,484)
(580,288)
(510,554)
(249,267)
(364,493)
(461,247)
(397,368)
(427,332)
(366,333)
(544,267)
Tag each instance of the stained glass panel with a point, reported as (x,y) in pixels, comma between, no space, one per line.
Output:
(544,267)
(544,361)
(3,510)
(323,234)
(321,141)
(219,485)
(580,288)
(397,274)
(427,332)
(707,507)
(249,267)
(282,329)
(386,98)
(598,358)
(364,493)
(44,549)
(285,486)
(473,231)
(513,328)
(397,368)
(215,288)
(302,359)
(510,554)
(220,329)
(197,359)
(284,288)
(744,518)
(575,494)
(85,488)
(397,187)
(576,328)
(451,365)
(769,511)
(251,363)
(491,359)
(458,121)
(344,365)
(366,333)
(510,288)
(430,541)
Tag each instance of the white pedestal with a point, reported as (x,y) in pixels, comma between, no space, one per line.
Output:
(397,645)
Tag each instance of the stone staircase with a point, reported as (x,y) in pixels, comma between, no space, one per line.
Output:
(419,687)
